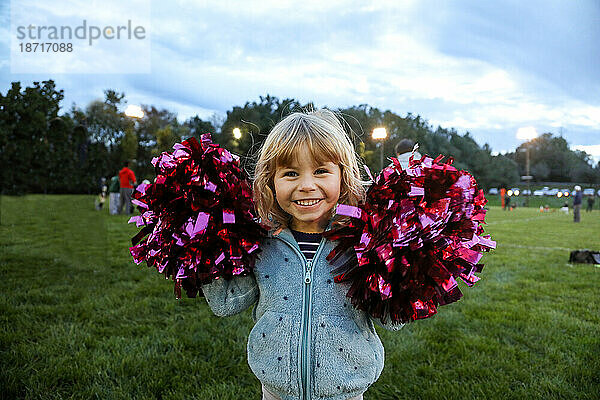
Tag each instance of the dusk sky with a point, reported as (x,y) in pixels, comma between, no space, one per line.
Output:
(484,67)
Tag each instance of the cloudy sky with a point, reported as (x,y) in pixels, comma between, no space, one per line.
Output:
(484,67)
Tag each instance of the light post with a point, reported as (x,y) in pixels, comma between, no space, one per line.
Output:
(135,113)
(129,145)
(527,133)
(380,134)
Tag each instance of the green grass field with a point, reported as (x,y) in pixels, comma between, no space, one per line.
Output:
(79,320)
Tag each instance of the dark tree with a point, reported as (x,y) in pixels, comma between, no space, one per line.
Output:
(25,139)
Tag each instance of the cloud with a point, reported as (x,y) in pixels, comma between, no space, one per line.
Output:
(552,40)
(484,68)
(593,150)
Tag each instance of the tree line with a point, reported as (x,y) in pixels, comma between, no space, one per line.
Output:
(44,152)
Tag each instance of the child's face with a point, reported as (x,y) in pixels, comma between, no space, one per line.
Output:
(313,183)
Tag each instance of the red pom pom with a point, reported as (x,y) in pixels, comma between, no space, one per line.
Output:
(198,217)
(418,231)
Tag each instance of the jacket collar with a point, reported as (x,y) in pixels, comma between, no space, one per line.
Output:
(286,233)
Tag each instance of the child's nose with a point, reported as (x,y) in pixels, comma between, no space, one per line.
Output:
(307,184)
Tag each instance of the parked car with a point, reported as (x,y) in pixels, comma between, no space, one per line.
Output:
(526,192)
(538,192)
(552,192)
(493,191)
(588,192)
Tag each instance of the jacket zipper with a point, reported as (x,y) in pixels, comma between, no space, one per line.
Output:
(306,334)
(306,321)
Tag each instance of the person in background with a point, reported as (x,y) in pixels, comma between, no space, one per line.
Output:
(113,198)
(577,198)
(510,203)
(102,194)
(127,182)
(404,149)
(590,203)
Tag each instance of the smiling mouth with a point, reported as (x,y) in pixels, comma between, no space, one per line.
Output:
(307,203)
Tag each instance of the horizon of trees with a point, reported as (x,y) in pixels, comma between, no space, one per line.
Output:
(44,152)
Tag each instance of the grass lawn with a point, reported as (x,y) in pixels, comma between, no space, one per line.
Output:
(79,320)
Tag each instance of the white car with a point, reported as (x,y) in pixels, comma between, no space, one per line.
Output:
(552,192)
(493,191)
(588,192)
(538,192)
(526,192)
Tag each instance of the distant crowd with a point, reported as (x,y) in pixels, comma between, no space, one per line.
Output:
(577,197)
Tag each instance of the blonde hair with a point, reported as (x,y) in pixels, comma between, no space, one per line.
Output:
(322,132)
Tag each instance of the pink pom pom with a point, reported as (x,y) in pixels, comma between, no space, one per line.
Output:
(419,230)
(199,221)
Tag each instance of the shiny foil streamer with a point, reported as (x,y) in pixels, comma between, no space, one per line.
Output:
(197,218)
(419,231)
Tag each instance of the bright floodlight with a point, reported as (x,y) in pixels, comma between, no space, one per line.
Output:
(379,133)
(527,133)
(237,133)
(134,111)
(509,192)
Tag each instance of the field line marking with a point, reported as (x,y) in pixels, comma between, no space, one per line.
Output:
(535,247)
(508,221)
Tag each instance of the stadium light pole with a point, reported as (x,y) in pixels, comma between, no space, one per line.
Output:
(380,134)
(135,113)
(527,133)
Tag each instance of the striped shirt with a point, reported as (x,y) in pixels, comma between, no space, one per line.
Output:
(308,243)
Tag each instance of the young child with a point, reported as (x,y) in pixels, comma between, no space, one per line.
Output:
(308,341)
(102,195)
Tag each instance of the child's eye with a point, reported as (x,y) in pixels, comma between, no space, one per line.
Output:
(321,171)
(288,173)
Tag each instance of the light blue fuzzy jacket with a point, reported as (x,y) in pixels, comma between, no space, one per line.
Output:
(308,341)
